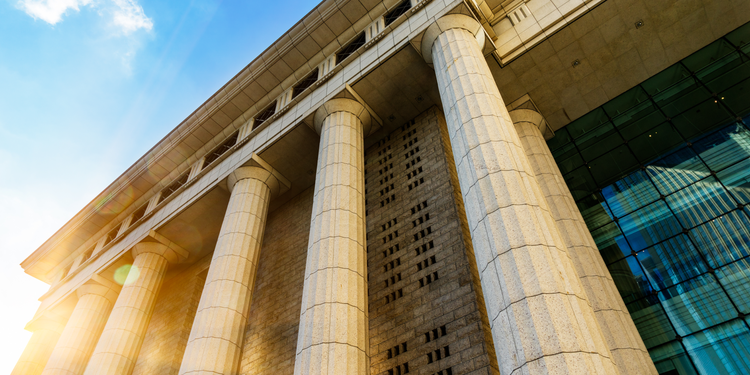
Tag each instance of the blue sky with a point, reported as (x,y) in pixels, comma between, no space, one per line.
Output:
(86,88)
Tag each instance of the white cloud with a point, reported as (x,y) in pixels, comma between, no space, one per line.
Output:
(50,11)
(126,15)
(129,16)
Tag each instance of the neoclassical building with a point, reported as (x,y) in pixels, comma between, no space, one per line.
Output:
(433,187)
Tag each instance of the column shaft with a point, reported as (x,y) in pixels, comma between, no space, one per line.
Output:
(540,318)
(85,325)
(121,340)
(624,342)
(333,322)
(38,350)
(215,343)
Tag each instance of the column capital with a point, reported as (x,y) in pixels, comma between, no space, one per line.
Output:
(343,105)
(445,23)
(532,117)
(173,254)
(101,287)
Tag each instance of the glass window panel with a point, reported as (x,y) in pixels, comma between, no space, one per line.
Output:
(703,117)
(737,179)
(724,147)
(651,322)
(736,97)
(630,193)
(659,140)
(672,262)
(580,183)
(734,277)
(611,243)
(697,304)
(560,139)
(638,120)
(649,225)
(594,211)
(700,202)
(629,279)
(677,170)
(708,55)
(722,76)
(671,359)
(665,79)
(569,158)
(724,239)
(721,350)
(599,141)
(625,101)
(587,123)
(740,36)
(613,165)
(681,97)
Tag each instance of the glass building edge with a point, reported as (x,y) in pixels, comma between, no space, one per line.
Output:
(661,175)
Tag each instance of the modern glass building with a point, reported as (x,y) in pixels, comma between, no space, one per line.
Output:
(661,175)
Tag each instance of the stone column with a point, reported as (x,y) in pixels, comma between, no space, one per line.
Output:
(78,339)
(47,331)
(215,343)
(120,342)
(628,351)
(540,318)
(333,324)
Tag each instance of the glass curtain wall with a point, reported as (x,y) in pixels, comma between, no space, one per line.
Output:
(661,175)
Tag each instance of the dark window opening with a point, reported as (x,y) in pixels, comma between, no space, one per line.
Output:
(218,151)
(397,12)
(345,52)
(305,83)
(265,114)
(112,234)
(176,184)
(88,254)
(139,213)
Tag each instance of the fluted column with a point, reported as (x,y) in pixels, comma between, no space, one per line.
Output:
(47,332)
(85,325)
(540,319)
(215,342)
(333,324)
(628,351)
(120,342)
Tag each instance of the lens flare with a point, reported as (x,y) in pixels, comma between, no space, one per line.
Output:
(127,274)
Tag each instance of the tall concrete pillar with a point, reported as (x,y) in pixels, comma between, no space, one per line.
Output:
(47,332)
(215,342)
(121,340)
(333,324)
(628,351)
(85,325)
(540,319)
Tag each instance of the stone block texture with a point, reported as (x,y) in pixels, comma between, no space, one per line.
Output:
(540,317)
(82,331)
(624,342)
(333,329)
(425,311)
(171,321)
(215,343)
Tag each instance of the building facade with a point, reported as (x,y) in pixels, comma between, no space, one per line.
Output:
(432,187)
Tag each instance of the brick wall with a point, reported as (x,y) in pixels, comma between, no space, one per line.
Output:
(271,335)
(425,317)
(169,329)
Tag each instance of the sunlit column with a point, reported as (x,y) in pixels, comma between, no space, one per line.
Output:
(215,343)
(47,332)
(78,339)
(333,324)
(624,341)
(121,340)
(540,318)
